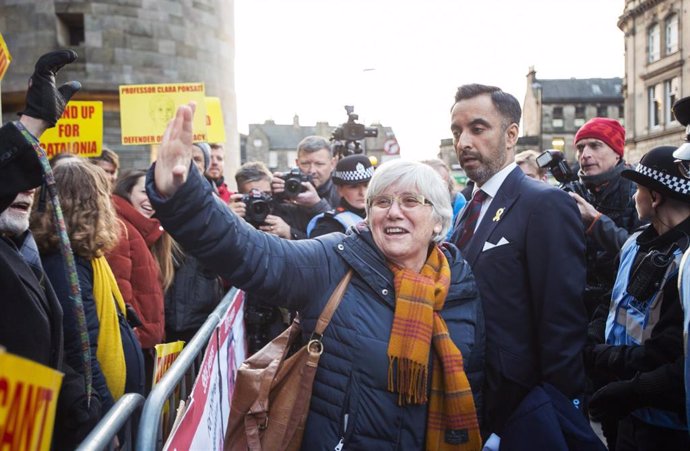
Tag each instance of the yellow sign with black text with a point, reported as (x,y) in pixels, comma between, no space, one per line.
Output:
(145,111)
(79,130)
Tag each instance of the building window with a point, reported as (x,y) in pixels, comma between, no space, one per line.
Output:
(621,115)
(670,97)
(602,111)
(272,159)
(70,29)
(653,43)
(557,120)
(579,116)
(654,103)
(671,32)
(558,143)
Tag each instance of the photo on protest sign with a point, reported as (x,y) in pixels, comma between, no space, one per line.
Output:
(79,131)
(215,127)
(30,393)
(145,111)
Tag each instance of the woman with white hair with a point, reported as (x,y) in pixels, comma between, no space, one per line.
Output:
(403,359)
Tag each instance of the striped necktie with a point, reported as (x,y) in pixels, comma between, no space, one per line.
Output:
(470,221)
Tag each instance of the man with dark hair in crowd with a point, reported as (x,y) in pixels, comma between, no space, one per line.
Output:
(109,161)
(314,159)
(525,244)
(216,169)
(609,214)
(31,320)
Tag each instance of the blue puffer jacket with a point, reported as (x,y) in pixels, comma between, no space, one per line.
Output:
(350,400)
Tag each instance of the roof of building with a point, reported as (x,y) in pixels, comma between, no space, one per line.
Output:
(285,136)
(586,89)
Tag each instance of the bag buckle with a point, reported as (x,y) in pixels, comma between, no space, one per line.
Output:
(315,346)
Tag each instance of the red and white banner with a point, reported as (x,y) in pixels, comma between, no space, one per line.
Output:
(202,426)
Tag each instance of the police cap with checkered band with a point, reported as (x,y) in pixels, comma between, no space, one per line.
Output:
(658,171)
(352,170)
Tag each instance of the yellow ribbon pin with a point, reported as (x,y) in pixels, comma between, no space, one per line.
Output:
(497,216)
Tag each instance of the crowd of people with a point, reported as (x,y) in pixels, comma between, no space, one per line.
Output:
(507,315)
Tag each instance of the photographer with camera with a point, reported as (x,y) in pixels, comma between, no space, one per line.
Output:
(315,163)
(608,213)
(257,204)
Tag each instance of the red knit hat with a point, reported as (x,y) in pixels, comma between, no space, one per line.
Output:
(608,130)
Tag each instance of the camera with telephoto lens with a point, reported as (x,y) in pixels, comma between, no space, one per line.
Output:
(258,207)
(554,161)
(345,139)
(293,182)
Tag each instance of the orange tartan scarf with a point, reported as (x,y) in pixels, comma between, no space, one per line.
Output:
(452,419)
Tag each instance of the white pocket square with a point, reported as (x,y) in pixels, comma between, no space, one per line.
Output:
(488,245)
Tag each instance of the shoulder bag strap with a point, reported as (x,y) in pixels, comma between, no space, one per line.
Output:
(332,304)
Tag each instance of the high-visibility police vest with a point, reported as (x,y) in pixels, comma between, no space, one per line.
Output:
(346,218)
(630,321)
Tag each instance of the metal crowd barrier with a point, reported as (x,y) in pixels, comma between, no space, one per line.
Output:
(173,384)
(119,416)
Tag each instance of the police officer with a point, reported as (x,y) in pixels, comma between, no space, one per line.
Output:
(351,178)
(643,335)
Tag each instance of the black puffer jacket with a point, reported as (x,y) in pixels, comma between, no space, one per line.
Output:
(351,381)
(612,196)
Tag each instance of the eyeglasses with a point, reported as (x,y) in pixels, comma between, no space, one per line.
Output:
(406,201)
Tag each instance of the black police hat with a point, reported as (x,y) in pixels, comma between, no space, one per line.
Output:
(352,170)
(658,171)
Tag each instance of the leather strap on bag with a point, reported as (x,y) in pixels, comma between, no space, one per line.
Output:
(332,304)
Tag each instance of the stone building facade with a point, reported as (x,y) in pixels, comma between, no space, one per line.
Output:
(276,144)
(656,72)
(554,110)
(125,42)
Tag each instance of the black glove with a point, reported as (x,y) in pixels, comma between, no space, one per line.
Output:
(613,401)
(606,357)
(43,99)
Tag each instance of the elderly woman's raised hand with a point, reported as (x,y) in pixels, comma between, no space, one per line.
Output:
(175,153)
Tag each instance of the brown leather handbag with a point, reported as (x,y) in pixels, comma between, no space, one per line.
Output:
(270,403)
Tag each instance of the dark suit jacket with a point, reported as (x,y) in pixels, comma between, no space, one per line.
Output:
(532,293)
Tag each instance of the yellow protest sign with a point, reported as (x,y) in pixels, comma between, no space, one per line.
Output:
(145,110)
(28,397)
(215,127)
(79,131)
(166,353)
(5,57)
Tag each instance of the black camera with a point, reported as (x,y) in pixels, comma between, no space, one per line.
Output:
(293,182)
(345,139)
(554,161)
(258,207)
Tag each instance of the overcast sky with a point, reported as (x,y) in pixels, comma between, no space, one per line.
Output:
(400,61)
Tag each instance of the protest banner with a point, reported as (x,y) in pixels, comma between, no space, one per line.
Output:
(202,426)
(145,111)
(28,397)
(5,57)
(166,354)
(215,127)
(79,131)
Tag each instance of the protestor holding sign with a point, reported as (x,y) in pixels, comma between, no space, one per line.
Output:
(364,395)
(31,320)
